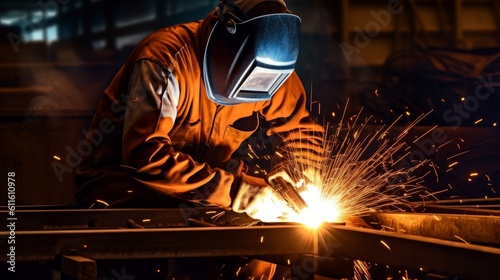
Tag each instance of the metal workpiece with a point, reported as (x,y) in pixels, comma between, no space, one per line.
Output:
(327,250)
(478,229)
(431,208)
(66,219)
(100,244)
(426,254)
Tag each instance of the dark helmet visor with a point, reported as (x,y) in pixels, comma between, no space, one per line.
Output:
(248,61)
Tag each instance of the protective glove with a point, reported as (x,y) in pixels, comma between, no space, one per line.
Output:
(259,201)
(312,176)
(298,178)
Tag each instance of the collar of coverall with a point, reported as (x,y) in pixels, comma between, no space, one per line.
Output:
(246,5)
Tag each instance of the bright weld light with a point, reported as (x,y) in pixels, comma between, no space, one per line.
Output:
(269,61)
(319,210)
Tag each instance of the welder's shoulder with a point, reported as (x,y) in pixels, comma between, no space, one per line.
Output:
(164,44)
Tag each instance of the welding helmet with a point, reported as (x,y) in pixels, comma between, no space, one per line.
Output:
(248,59)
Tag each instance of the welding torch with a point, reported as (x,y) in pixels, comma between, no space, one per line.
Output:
(288,191)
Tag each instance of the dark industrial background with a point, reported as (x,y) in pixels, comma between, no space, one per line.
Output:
(388,59)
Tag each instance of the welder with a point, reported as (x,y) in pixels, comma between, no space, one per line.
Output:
(184,101)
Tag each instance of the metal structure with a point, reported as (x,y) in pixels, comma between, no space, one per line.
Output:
(416,241)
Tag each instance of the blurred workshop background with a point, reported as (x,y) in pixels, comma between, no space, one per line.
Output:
(390,60)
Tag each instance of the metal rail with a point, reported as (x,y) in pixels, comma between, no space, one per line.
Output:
(395,249)
(404,250)
(478,229)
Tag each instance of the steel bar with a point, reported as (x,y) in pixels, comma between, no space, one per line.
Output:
(470,228)
(56,232)
(47,235)
(114,218)
(45,245)
(394,249)
(463,209)
(403,250)
(483,203)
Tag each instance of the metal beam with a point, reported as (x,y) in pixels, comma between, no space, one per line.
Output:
(97,244)
(409,251)
(394,249)
(61,234)
(117,218)
(468,228)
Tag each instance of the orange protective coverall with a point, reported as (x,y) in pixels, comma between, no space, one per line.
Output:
(160,128)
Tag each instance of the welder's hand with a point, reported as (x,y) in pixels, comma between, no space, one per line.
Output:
(297,178)
(286,174)
(312,176)
(259,201)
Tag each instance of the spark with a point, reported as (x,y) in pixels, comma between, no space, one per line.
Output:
(435,172)
(102,201)
(217,216)
(444,144)
(385,244)
(361,270)
(433,194)
(473,174)
(359,172)
(461,239)
(420,137)
(352,180)
(387,227)
(56,157)
(456,155)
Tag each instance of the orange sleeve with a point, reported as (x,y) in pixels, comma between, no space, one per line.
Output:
(147,149)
